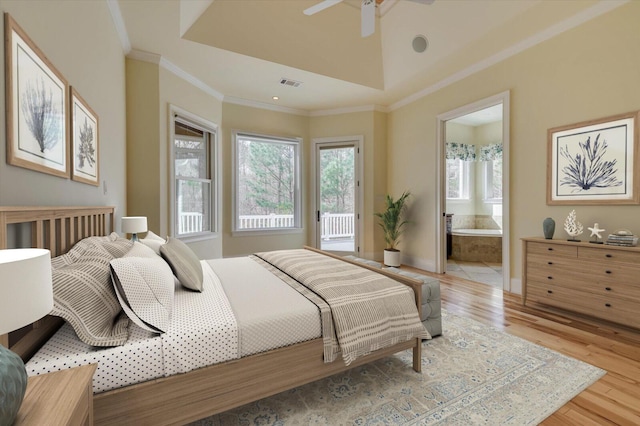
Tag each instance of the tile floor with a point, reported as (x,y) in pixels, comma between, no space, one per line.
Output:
(483,272)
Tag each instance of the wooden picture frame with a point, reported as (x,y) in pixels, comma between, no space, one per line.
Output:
(594,162)
(36,96)
(85,153)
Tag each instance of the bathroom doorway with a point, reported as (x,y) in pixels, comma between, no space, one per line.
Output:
(473,147)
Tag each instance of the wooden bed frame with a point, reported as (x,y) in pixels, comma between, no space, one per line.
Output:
(197,394)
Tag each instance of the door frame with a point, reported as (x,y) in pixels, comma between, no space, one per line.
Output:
(337,141)
(441,256)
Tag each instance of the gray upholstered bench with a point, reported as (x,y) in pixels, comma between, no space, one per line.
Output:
(431,306)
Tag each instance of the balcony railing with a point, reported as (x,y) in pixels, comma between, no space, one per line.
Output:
(332,225)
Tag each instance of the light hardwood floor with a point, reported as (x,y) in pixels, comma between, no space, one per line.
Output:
(613,400)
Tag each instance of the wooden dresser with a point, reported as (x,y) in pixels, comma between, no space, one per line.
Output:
(597,280)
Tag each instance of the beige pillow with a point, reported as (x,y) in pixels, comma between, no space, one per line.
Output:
(153,241)
(83,294)
(184,263)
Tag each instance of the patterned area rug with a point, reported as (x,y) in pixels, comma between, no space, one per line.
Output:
(472,374)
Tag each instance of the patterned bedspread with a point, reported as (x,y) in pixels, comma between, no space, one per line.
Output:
(362,311)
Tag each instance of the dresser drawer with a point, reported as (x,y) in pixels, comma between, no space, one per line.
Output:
(549,268)
(552,249)
(607,254)
(609,308)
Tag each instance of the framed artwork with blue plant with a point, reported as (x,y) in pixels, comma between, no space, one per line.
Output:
(594,162)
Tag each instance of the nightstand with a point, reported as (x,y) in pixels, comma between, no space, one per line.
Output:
(59,398)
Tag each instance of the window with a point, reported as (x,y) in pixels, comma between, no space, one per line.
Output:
(267,183)
(493,179)
(458,181)
(194,148)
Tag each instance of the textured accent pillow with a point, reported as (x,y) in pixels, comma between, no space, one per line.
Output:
(184,263)
(141,250)
(144,286)
(83,294)
(153,241)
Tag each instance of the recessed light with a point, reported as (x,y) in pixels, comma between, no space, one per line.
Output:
(275,98)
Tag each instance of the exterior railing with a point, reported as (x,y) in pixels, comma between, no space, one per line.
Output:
(190,223)
(337,225)
(332,225)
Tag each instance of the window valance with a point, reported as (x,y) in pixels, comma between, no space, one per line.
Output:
(491,152)
(460,151)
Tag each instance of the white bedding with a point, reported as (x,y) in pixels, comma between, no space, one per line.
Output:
(203,331)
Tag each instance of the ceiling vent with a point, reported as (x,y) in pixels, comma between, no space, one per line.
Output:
(289,82)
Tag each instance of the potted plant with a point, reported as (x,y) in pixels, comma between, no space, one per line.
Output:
(392,224)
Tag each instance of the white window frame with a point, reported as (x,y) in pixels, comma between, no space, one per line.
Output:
(465,182)
(181,115)
(297,204)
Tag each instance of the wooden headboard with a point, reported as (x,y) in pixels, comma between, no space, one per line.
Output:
(56,229)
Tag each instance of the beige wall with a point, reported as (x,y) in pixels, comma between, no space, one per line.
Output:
(265,122)
(151,89)
(371,125)
(585,73)
(80,40)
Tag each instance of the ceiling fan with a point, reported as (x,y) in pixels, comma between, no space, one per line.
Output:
(367,12)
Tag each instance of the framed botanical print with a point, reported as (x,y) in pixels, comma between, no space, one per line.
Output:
(85,154)
(594,162)
(36,96)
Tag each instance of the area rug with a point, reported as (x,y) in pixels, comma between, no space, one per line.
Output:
(472,374)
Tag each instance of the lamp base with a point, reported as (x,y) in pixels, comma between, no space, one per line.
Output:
(13,384)
(134,237)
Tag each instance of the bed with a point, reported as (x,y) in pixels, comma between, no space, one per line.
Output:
(200,392)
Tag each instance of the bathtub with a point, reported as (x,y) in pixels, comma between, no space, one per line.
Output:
(477,245)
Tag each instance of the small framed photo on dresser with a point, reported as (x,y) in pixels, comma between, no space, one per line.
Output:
(85,155)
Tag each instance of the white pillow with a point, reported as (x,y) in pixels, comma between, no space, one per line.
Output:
(145,288)
(153,241)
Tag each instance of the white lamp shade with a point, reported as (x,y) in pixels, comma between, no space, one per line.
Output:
(134,224)
(26,289)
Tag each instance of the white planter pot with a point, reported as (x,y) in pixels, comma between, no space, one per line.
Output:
(392,258)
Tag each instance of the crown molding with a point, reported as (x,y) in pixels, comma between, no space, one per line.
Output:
(586,15)
(347,110)
(118,22)
(262,105)
(156,59)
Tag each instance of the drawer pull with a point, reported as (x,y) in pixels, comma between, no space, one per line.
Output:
(608,255)
(549,263)
(550,248)
(608,272)
(608,288)
(549,291)
(608,305)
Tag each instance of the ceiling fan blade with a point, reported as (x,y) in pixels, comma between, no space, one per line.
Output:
(368,17)
(321,6)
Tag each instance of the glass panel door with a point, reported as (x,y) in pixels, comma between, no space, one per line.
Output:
(337,197)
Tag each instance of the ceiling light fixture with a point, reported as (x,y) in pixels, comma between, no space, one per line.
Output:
(419,43)
(275,98)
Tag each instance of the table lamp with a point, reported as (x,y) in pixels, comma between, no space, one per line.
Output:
(26,295)
(134,224)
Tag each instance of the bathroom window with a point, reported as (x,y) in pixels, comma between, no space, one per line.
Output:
(458,182)
(491,157)
(493,180)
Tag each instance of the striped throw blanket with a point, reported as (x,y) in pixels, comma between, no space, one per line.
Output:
(362,311)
